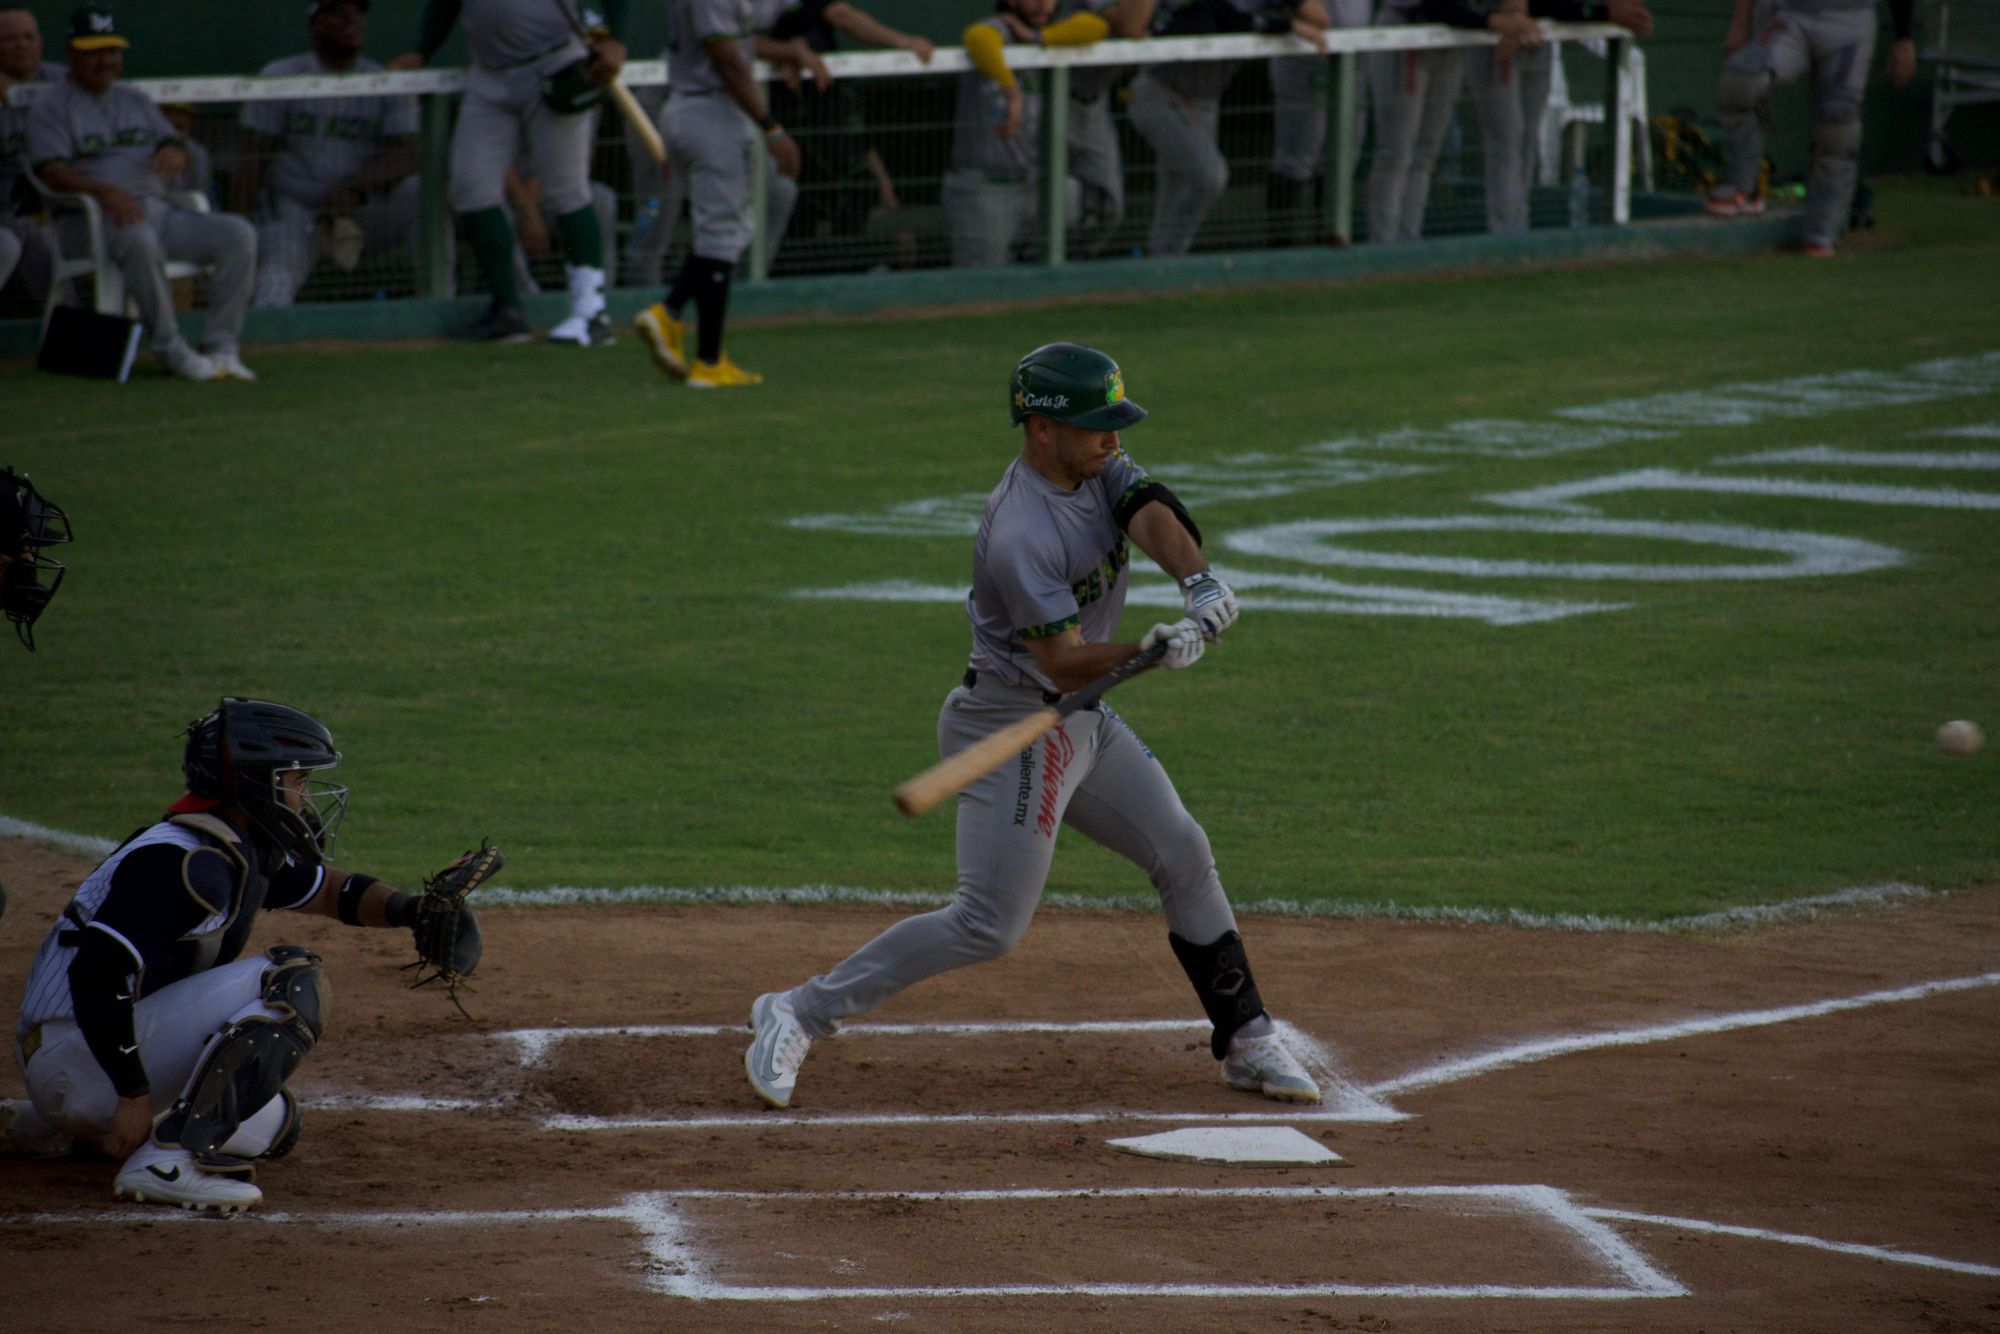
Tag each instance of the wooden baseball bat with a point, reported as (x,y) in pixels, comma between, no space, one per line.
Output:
(983,756)
(649,134)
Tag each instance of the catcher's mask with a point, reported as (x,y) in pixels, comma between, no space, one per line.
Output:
(1071,383)
(246,752)
(28,523)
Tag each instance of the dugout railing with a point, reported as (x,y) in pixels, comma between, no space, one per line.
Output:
(905,107)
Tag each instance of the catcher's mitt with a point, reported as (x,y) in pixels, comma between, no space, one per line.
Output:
(447,934)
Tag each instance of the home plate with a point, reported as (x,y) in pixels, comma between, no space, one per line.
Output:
(1236,1146)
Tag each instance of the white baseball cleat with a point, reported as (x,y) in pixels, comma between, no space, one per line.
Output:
(1262,1065)
(189,364)
(231,365)
(177,1179)
(777,1050)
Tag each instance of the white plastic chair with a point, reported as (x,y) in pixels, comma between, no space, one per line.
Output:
(94,261)
(1567,120)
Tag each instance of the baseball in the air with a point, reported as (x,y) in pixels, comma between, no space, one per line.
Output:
(1960,737)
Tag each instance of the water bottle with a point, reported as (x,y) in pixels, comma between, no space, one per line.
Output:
(645,223)
(1579,196)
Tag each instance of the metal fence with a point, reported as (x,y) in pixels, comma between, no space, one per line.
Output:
(877,144)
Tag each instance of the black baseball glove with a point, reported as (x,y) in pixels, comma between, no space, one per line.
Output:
(446,932)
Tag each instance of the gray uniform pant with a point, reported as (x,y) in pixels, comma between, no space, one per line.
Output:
(289,243)
(1298,107)
(987,217)
(1836,45)
(710,150)
(170,232)
(1510,127)
(71,1092)
(603,202)
(1191,171)
(33,261)
(1092,774)
(1095,165)
(502,109)
(1414,93)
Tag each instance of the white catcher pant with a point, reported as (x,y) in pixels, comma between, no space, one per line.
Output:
(70,1090)
(1092,774)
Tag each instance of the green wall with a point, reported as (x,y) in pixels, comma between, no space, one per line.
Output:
(238,36)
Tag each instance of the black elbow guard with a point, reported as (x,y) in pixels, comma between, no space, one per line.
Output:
(1144,494)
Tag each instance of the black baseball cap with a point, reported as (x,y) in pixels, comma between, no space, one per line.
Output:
(92,28)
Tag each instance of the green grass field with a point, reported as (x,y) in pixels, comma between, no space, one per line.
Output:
(550,598)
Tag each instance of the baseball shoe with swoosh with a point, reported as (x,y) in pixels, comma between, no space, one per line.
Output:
(776,1051)
(175,1178)
(722,373)
(1262,1065)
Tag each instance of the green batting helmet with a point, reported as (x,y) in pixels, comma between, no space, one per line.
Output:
(1068,382)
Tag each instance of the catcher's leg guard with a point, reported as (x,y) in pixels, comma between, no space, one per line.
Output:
(245,1066)
(1220,973)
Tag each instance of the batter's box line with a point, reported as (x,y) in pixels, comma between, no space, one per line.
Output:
(675,1267)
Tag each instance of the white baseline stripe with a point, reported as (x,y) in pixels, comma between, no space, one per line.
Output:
(1370,1112)
(1524,1053)
(1888,1253)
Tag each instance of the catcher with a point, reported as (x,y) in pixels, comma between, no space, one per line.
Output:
(143,1033)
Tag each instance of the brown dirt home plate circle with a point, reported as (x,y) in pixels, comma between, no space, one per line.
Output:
(1604,1131)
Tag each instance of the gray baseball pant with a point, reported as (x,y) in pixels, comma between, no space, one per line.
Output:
(1095,164)
(987,218)
(1836,45)
(1298,111)
(1414,93)
(1191,172)
(33,261)
(500,109)
(1092,774)
(141,252)
(288,244)
(10,254)
(709,151)
(1510,127)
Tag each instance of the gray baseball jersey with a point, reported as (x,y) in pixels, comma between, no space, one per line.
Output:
(14,138)
(323,141)
(1047,559)
(982,106)
(524,34)
(693,24)
(110,139)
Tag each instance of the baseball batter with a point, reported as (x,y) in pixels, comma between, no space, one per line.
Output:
(713,114)
(142,1031)
(1833,40)
(319,159)
(1049,581)
(1178,107)
(538,66)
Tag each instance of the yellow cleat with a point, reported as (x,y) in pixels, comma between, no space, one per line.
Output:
(665,338)
(721,374)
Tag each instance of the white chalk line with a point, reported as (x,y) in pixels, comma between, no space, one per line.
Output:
(676,1267)
(1549,1048)
(566,896)
(809,1121)
(1892,1254)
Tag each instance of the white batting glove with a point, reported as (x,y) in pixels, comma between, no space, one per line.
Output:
(1209,603)
(1183,640)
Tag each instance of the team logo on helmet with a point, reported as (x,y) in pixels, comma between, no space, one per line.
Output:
(1114,388)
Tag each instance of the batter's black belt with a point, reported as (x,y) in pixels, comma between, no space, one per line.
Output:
(971,679)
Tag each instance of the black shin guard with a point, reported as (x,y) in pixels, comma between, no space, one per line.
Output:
(1221,976)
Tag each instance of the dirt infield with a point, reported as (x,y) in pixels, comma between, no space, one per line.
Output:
(1543,1131)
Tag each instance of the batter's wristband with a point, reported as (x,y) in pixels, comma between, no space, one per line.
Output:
(772,130)
(350,898)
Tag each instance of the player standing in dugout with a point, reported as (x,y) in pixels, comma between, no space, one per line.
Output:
(1048,587)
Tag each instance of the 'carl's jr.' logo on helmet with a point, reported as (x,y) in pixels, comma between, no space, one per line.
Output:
(1114,387)
(1026,401)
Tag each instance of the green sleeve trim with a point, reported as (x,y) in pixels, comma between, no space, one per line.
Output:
(1047,631)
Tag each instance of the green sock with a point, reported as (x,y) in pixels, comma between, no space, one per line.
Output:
(582,238)
(492,238)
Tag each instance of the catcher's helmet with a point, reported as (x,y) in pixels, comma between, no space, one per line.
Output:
(1068,382)
(240,753)
(28,523)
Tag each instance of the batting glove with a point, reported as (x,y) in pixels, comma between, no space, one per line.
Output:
(1209,603)
(1183,640)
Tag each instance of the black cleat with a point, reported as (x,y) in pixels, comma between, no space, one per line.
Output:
(500,324)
